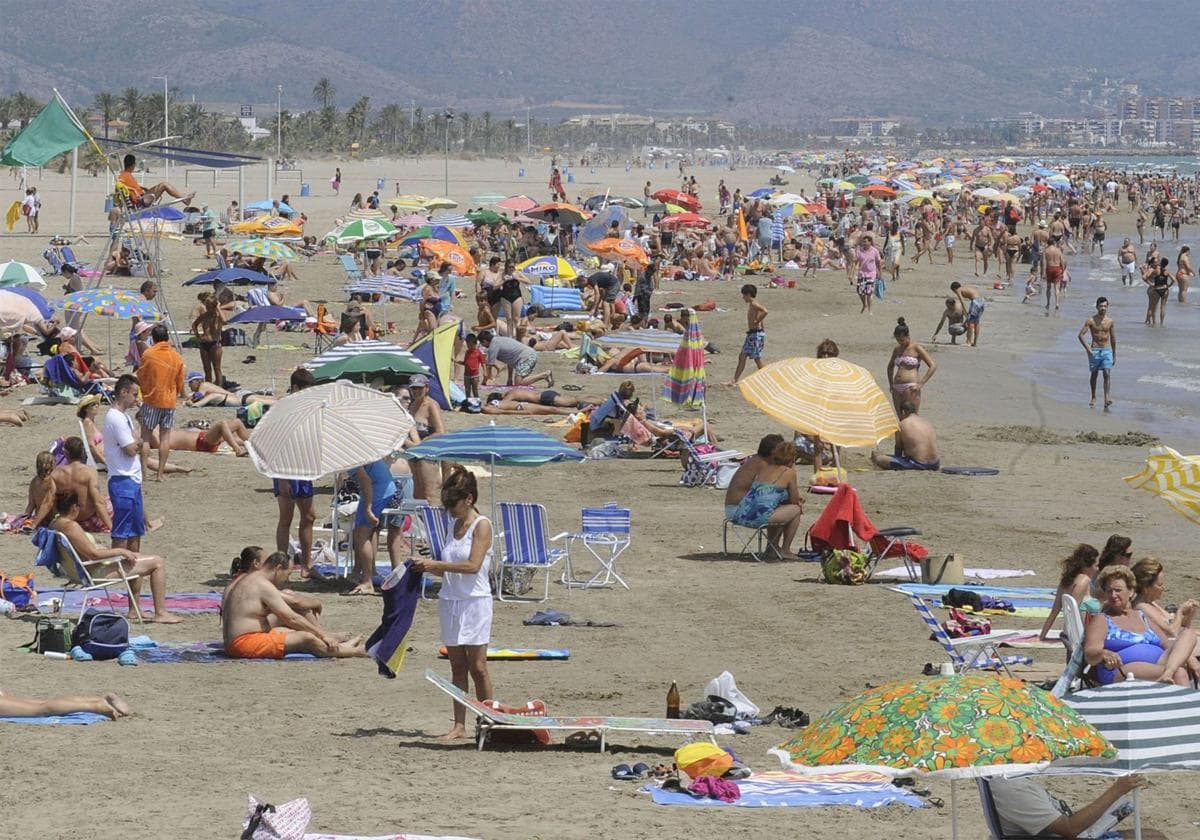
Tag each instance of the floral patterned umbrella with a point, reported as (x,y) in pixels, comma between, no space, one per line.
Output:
(953,727)
(110,303)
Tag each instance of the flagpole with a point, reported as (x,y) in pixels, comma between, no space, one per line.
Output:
(74,188)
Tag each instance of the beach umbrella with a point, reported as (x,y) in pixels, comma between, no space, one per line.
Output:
(393,287)
(784,198)
(547,267)
(110,303)
(683,220)
(763,192)
(857,180)
(487,198)
(445,234)
(17,310)
(269,315)
(786,169)
(411,220)
(517,203)
(266,248)
(327,429)
(957,727)
(833,399)
(360,229)
(439,203)
(451,220)
(485,217)
(683,199)
(13,273)
(986,192)
(365,213)
(628,251)
(557,212)
(36,298)
(685,383)
(949,187)
(368,364)
(461,261)
(355,348)
(597,202)
(231,277)
(1173,477)
(877,191)
(496,446)
(844,186)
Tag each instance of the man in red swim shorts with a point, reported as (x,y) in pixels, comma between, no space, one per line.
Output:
(1056,273)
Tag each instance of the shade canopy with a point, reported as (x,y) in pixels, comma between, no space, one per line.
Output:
(507,445)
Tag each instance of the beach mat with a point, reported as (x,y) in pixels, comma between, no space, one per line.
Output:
(77,718)
(1030,602)
(901,573)
(384,837)
(172,652)
(785,789)
(970,471)
(184,603)
(520,654)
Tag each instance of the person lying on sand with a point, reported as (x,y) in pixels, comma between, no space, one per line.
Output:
(136,566)
(208,394)
(632,362)
(232,432)
(17,418)
(112,706)
(253,599)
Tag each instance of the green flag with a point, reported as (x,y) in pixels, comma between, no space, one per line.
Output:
(49,134)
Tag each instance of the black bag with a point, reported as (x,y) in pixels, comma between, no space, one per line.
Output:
(52,635)
(962,598)
(105,635)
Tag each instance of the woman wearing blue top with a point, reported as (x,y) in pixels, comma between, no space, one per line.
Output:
(376,487)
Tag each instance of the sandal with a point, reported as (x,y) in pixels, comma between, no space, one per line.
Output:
(570,386)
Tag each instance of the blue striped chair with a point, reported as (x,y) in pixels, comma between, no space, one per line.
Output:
(435,525)
(526,545)
(969,652)
(605,534)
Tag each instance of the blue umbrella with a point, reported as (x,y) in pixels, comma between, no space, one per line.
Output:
(268,315)
(40,302)
(762,192)
(231,277)
(166,214)
(284,210)
(504,445)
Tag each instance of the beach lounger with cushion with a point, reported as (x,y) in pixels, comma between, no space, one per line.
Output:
(490,719)
(969,652)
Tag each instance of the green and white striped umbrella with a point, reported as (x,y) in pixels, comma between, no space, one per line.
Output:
(361,229)
(267,248)
(14,273)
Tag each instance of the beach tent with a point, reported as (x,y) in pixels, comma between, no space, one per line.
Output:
(436,350)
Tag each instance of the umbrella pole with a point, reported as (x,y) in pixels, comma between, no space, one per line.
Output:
(1137,816)
(953,811)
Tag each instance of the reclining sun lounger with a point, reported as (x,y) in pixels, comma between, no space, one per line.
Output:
(490,719)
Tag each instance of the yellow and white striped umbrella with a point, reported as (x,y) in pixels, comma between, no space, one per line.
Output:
(834,399)
(1174,477)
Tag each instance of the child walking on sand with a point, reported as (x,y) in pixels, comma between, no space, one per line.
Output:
(756,333)
(473,361)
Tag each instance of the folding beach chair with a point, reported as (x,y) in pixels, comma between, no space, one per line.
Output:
(757,538)
(843,523)
(488,720)
(606,534)
(701,469)
(323,335)
(54,260)
(60,385)
(1076,673)
(991,816)
(78,572)
(969,652)
(434,524)
(353,272)
(526,545)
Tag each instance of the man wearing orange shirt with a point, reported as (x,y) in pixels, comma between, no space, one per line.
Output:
(160,375)
(147,196)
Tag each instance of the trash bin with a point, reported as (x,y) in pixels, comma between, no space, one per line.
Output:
(380,184)
(108,205)
(520,173)
(570,177)
(304,190)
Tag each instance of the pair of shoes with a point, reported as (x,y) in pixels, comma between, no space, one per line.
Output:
(625,773)
(787,717)
(81,655)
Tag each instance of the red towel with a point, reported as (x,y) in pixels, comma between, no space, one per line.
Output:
(843,513)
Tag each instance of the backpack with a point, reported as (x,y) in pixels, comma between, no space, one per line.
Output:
(18,590)
(105,635)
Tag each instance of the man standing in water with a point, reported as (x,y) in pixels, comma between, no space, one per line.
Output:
(1056,272)
(1102,352)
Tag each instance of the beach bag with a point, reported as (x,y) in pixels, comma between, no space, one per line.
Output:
(963,598)
(52,635)
(105,635)
(18,590)
(845,566)
(276,822)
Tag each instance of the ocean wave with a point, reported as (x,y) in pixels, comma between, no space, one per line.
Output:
(1178,383)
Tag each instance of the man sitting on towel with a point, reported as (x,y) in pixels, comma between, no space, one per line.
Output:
(916,444)
(257,623)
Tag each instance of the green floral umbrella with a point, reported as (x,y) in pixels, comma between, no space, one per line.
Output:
(268,248)
(953,727)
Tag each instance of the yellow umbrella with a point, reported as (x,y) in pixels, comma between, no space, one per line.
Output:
(411,198)
(440,203)
(1174,477)
(836,400)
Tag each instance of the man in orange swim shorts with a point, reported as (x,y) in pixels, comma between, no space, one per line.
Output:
(257,623)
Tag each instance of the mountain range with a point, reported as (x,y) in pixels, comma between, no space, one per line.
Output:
(936,61)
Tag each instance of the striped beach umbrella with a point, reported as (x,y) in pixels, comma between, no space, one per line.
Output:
(656,341)
(685,384)
(431,231)
(266,248)
(451,220)
(397,288)
(487,198)
(370,364)
(1175,478)
(439,203)
(355,348)
(360,229)
(110,303)
(365,213)
(13,273)
(833,399)
(326,429)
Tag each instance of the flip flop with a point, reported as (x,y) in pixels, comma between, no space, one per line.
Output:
(572,387)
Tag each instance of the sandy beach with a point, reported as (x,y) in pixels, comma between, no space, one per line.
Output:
(361,747)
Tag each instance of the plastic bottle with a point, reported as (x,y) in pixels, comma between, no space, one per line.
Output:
(673,702)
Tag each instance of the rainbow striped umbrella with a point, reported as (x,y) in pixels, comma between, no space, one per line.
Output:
(266,248)
(685,380)
(1174,477)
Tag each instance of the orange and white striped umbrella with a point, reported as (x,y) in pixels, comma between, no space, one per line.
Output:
(628,251)
(1174,477)
(833,399)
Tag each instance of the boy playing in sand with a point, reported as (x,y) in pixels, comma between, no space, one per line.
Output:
(972,303)
(756,334)
(1102,353)
(952,318)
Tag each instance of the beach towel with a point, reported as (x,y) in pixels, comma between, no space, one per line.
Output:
(832,528)
(519,654)
(901,573)
(172,652)
(384,837)
(784,789)
(184,603)
(388,644)
(78,718)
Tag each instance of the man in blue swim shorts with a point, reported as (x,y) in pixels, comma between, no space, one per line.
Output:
(295,495)
(916,444)
(1102,349)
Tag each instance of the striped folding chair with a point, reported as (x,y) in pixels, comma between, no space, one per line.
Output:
(526,545)
(434,523)
(353,272)
(79,575)
(605,534)
(969,652)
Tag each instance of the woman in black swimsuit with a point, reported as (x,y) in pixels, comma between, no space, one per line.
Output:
(207,329)
(510,293)
(1160,282)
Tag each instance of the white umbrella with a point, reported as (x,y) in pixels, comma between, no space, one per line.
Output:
(785,198)
(327,429)
(13,273)
(16,311)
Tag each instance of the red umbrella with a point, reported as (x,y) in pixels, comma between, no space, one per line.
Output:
(817,208)
(517,203)
(683,220)
(689,202)
(878,190)
(1039,187)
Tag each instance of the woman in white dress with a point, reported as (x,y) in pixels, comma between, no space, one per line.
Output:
(465,602)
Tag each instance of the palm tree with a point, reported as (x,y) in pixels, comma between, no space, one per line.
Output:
(106,104)
(24,107)
(324,92)
(388,124)
(465,118)
(131,107)
(356,117)
(487,130)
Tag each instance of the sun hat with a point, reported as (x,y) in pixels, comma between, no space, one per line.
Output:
(89,400)
(194,374)
(143,327)
(420,380)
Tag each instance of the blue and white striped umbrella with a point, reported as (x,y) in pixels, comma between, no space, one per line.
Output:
(659,341)
(777,229)
(454,220)
(507,445)
(393,287)
(355,348)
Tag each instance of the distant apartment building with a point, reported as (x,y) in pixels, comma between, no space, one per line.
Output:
(1159,108)
(609,120)
(863,127)
(1026,122)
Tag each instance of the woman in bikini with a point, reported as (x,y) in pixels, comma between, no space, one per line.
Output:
(904,367)
(632,362)
(427,415)
(1158,283)
(207,394)
(207,329)
(232,432)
